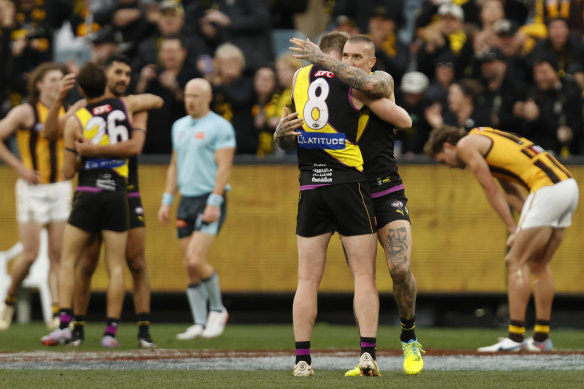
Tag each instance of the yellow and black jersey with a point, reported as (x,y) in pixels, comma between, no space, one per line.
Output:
(104,122)
(39,153)
(327,148)
(518,159)
(376,139)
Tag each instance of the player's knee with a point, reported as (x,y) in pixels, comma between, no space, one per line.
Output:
(399,272)
(193,263)
(28,257)
(136,264)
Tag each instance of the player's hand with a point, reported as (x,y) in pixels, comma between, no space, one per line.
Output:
(163,213)
(211,214)
(30,176)
(288,124)
(511,239)
(66,84)
(85,147)
(307,50)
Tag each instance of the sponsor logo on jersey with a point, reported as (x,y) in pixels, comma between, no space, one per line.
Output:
(199,135)
(39,127)
(324,73)
(91,164)
(101,109)
(322,141)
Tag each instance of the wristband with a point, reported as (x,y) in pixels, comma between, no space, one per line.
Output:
(167,198)
(215,199)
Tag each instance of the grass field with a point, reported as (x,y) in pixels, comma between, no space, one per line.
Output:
(22,341)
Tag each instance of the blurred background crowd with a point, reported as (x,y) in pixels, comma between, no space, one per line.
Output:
(516,65)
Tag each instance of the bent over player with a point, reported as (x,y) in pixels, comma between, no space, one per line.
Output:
(545,214)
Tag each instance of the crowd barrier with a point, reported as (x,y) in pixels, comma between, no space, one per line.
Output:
(458,240)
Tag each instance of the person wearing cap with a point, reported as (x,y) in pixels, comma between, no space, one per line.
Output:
(553,110)
(412,98)
(392,54)
(170,21)
(502,93)
(361,11)
(446,34)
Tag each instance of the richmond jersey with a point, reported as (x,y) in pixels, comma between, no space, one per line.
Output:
(104,122)
(518,159)
(39,153)
(327,147)
(376,139)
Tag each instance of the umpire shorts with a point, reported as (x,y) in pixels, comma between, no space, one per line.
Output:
(190,213)
(345,208)
(100,211)
(136,210)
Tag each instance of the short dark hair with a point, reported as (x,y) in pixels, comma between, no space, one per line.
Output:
(333,41)
(117,58)
(441,135)
(361,38)
(91,79)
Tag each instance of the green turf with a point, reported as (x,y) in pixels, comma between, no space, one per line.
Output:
(276,337)
(282,379)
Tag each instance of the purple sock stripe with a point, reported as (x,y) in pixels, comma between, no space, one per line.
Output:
(64,318)
(302,351)
(367,344)
(387,191)
(133,194)
(88,189)
(111,330)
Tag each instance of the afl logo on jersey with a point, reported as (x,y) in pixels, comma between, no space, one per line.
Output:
(397,204)
(324,73)
(199,135)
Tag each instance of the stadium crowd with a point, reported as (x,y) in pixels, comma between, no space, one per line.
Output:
(515,65)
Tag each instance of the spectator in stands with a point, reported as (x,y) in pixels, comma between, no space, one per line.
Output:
(571,11)
(167,81)
(444,75)
(553,111)
(128,20)
(445,35)
(392,54)
(576,72)
(286,66)
(103,45)
(512,42)
(502,94)
(264,85)
(428,13)
(463,107)
(233,96)
(7,23)
(344,23)
(361,12)
(170,21)
(246,24)
(412,98)
(568,48)
(491,12)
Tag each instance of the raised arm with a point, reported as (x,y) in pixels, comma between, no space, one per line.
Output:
(54,124)
(19,117)
(128,148)
(377,84)
(469,153)
(169,190)
(71,133)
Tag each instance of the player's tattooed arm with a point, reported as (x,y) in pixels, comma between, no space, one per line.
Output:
(286,133)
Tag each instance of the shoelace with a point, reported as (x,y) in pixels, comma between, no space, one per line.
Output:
(414,349)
